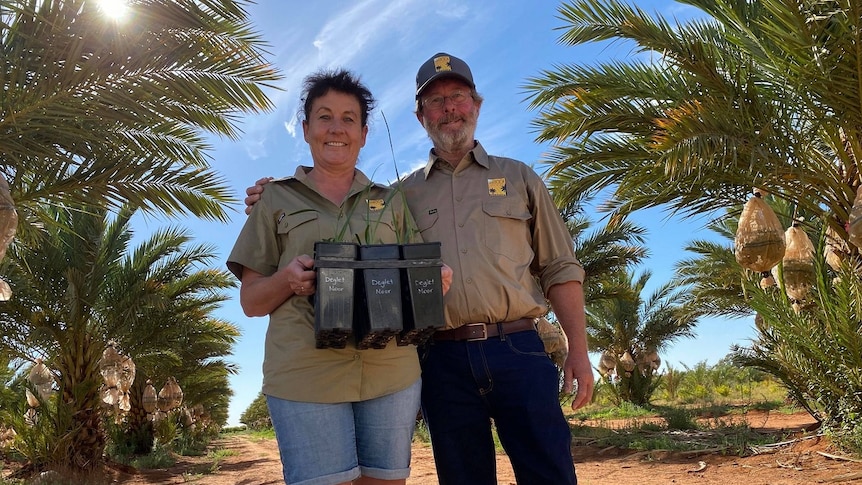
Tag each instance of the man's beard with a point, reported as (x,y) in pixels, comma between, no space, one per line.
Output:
(451,141)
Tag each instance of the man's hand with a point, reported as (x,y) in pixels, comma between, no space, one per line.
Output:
(254,192)
(567,301)
(446,277)
(578,369)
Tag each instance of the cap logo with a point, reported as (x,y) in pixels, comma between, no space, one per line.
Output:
(442,63)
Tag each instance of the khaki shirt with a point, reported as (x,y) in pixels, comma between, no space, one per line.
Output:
(500,232)
(290,216)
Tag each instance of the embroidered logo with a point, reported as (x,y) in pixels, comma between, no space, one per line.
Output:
(442,63)
(497,186)
(376,204)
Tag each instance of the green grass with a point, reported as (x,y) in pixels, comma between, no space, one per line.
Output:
(254,435)
(9,481)
(602,412)
(219,454)
(680,427)
(199,471)
(160,457)
(421,435)
(731,439)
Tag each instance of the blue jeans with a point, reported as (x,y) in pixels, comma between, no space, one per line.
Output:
(325,444)
(509,380)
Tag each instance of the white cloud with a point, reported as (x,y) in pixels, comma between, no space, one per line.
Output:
(256,149)
(290,126)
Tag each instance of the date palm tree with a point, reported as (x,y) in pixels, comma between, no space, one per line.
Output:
(760,93)
(196,358)
(178,337)
(95,114)
(611,248)
(633,329)
(97,110)
(82,286)
(815,353)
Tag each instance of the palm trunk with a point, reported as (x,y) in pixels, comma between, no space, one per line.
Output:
(139,429)
(82,436)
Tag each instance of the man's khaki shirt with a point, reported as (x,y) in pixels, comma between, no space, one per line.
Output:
(289,218)
(500,232)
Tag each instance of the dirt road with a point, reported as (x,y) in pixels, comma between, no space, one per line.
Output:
(807,461)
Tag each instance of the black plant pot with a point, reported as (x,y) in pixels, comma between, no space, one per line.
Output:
(422,290)
(333,299)
(379,315)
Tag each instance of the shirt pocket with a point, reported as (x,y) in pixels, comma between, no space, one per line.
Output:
(425,221)
(506,229)
(297,233)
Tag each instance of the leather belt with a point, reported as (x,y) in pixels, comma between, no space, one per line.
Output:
(482,331)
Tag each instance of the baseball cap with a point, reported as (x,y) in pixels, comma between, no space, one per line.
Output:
(442,65)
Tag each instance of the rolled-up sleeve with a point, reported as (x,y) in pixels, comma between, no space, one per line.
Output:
(555,261)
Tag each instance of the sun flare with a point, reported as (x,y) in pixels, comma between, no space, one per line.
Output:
(114,9)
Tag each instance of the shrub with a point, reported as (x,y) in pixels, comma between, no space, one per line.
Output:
(256,416)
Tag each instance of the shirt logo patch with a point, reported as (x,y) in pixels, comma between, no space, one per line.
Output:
(497,186)
(376,204)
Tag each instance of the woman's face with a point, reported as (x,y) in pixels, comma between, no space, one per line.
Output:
(334,130)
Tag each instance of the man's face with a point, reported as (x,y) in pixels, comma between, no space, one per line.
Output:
(451,125)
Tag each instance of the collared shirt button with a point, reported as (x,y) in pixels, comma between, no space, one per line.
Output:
(460,224)
(356,357)
(469,281)
(464,251)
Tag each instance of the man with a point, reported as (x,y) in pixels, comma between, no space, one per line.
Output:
(510,252)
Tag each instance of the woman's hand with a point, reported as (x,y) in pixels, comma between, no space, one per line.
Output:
(260,295)
(301,275)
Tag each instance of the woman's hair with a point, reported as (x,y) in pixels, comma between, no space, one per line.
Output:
(341,80)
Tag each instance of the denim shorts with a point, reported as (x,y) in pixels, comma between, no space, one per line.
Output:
(327,444)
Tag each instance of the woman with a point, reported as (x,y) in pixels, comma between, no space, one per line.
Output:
(340,415)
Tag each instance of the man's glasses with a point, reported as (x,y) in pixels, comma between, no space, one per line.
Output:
(437,102)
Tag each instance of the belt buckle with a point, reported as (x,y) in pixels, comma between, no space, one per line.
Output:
(484,332)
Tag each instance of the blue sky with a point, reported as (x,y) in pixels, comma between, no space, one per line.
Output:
(385,41)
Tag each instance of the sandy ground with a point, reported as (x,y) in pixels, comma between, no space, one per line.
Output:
(806,461)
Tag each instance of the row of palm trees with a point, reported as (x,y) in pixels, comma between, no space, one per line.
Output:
(100,120)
